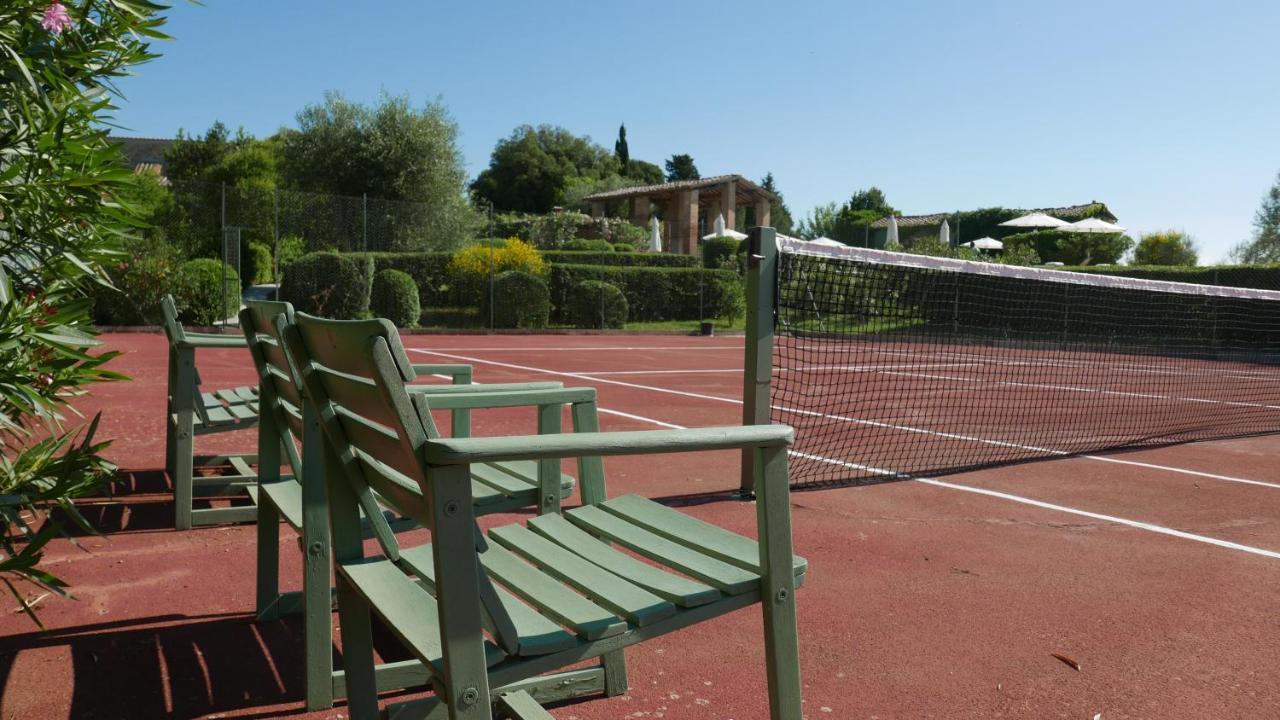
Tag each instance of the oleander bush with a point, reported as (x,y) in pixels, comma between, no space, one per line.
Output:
(329,284)
(394,296)
(520,300)
(596,305)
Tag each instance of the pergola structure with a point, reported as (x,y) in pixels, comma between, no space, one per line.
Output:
(687,204)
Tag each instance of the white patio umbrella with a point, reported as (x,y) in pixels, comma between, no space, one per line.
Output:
(826,242)
(985,243)
(1093,225)
(891,238)
(944,233)
(721,231)
(1035,220)
(655,240)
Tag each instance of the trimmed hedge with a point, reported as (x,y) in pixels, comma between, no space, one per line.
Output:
(651,293)
(621,258)
(1259,277)
(585,245)
(596,305)
(623,247)
(199,293)
(394,296)
(719,251)
(329,284)
(522,300)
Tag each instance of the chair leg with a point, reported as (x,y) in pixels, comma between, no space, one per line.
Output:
(268,560)
(184,441)
(778,586)
(615,673)
(317,610)
(356,626)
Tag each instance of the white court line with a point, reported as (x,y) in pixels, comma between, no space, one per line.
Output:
(588,347)
(807,368)
(1136,524)
(903,428)
(1099,364)
(1092,390)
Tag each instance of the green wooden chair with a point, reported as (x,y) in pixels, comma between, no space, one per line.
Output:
(491,614)
(192,411)
(286,423)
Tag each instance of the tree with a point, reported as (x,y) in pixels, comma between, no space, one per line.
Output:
(620,150)
(779,213)
(644,173)
(62,213)
(392,151)
(1264,247)
(1165,247)
(530,170)
(820,222)
(870,199)
(849,223)
(681,167)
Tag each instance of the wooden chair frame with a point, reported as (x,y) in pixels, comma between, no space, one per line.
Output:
(189,413)
(484,649)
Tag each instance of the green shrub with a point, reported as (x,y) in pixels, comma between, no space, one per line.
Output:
(474,267)
(521,300)
(652,293)
(429,270)
(621,258)
(586,245)
(719,252)
(291,248)
(624,247)
(141,278)
(594,305)
(198,290)
(394,296)
(257,266)
(329,284)
(730,299)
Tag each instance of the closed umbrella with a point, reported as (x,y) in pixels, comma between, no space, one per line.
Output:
(655,240)
(944,233)
(719,230)
(1035,220)
(891,238)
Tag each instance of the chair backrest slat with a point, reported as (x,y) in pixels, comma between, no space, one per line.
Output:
(278,395)
(169,314)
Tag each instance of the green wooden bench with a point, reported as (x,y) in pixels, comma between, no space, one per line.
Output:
(286,422)
(192,411)
(491,614)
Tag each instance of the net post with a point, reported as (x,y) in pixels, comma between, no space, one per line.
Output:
(762,268)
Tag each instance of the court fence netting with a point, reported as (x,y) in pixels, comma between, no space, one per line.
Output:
(891,365)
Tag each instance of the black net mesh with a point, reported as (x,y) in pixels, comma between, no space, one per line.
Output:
(889,370)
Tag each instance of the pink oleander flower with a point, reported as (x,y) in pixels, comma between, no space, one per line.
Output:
(56,18)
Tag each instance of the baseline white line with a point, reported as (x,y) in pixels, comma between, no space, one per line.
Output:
(590,348)
(842,418)
(1126,522)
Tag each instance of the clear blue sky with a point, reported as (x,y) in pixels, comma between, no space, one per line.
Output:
(1166,111)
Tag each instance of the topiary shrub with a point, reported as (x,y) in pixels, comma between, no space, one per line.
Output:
(522,300)
(585,245)
(595,304)
(624,247)
(719,252)
(197,288)
(328,284)
(289,249)
(394,296)
(258,265)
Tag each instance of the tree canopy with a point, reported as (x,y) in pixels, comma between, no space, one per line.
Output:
(531,170)
(849,222)
(1165,247)
(681,167)
(1264,246)
(779,213)
(620,149)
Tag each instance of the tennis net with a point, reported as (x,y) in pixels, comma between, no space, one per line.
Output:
(892,365)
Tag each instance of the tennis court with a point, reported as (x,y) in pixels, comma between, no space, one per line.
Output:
(1155,570)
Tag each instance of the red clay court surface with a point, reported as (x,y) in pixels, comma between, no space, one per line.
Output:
(1155,570)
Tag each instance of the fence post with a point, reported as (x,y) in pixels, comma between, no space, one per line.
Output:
(364,222)
(762,271)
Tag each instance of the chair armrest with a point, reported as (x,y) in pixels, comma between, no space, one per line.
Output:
(514,398)
(494,387)
(460,374)
(460,451)
(209,340)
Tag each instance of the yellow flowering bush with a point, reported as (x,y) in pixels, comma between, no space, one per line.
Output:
(471,267)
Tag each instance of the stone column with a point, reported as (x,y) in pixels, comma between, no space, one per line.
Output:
(640,211)
(729,204)
(690,227)
(597,209)
(762,213)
